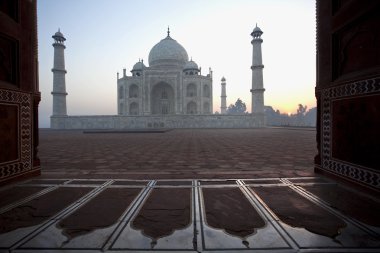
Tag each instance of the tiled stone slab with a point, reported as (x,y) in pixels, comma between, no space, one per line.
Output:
(39,209)
(44,181)
(218,182)
(173,183)
(14,194)
(90,225)
(229,210)
(100,212)
(263,181)
(297,213)
(231,222)
(23,219)
(163,222)
(87,182)
(162,202)
(129,182)
(266,238)
(349,202)
(54,238)
(350,237)
(315,180)
(7,240)
(132,240)
(163,212)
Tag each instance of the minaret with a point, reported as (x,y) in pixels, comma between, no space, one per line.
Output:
(223,100)
(59,84)
(257,72)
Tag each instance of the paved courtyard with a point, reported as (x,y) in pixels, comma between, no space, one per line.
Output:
(188,153)
(218,190)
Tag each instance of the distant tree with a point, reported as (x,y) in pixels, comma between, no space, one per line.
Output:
(216,112)
(301,111)
(238,108)
(303,117)
(269,110)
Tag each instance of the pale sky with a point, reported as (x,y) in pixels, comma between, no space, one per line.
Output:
(105,36)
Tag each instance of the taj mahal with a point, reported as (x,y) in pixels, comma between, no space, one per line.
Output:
(172,84)
(170,92)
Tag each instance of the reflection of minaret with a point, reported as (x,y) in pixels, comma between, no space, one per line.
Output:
(257,72)
(59,72)
(223,97)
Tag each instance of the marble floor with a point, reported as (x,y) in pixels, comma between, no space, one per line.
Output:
(269,204)
(258,215)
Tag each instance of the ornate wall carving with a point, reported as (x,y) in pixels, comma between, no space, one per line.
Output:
(348,90)
(348,141)
(9,150)
(19,95)
(16,104)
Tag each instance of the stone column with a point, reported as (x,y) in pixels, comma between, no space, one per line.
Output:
(59,83)
(257,72)
(223,97)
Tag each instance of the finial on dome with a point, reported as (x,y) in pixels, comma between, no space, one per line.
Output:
(168,32)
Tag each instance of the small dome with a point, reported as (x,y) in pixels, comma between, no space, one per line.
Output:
(168,52)
(191,65)
(59,36)
(138,66)
(257,29)
(256,33)
(223,79)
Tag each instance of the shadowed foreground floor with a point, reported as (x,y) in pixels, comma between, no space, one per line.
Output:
(203,190)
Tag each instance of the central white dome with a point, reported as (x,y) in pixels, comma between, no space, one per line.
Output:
(168,52)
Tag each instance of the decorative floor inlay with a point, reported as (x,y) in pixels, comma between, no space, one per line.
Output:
(24,218)
(297,211)
(100,212)
(229,210)
(165,211)
(281,215)
(39,209)
(163,221)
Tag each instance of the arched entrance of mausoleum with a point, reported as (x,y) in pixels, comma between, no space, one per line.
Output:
(162,99)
